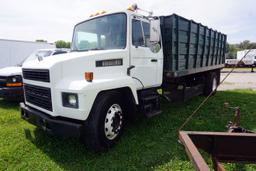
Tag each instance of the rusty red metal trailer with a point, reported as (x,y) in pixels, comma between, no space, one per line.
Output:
(222,146)
(235,145)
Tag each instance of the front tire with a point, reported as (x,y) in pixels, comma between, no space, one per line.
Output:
(105,123)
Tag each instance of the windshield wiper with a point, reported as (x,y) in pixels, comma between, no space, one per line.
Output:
(77,50)
(83,50)
(96,49)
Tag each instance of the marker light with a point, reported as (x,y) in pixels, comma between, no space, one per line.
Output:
(103,12)
(14,84)
(132,7)
(98,13)
(88,76)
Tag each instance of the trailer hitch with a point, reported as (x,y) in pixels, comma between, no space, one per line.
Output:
(234,126)
(235,145)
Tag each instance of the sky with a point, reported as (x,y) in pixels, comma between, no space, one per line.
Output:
(53,20)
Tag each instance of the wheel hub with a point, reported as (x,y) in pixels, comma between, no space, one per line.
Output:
(214,84)
(116,122)
(113,121)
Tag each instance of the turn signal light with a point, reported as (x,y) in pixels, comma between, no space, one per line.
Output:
(88,76)
(14,84)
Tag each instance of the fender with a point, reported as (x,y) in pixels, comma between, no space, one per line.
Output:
(114,83)
(88,91)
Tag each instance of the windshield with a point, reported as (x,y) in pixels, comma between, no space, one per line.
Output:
(107,32)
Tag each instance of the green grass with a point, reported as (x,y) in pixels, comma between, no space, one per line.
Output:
(147,144)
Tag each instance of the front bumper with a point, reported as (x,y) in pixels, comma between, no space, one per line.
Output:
(52,125)
(12,93)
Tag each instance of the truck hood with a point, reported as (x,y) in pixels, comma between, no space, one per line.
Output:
(63,58)
(73,65)
(10,71)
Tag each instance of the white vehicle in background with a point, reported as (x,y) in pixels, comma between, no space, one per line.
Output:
(231,62)
(11,79)
(12,52)
(248,61)
(250,58)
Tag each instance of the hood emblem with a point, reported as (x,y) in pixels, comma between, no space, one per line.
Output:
(40,58)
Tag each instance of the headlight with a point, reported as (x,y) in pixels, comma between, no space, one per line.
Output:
(14,81)
(70,100)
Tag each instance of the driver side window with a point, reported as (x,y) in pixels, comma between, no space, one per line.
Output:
(140,33)
(137,34)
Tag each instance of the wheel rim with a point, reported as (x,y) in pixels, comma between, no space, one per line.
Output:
(113,121)
(214,84)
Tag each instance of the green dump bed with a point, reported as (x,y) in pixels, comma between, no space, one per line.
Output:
(190,47)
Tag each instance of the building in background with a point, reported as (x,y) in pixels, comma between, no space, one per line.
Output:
(13,52)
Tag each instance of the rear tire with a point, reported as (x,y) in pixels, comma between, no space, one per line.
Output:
(211,83)
(105,123)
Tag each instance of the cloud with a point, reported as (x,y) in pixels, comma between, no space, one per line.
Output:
(54,19)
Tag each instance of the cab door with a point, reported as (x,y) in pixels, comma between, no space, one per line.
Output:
(146,62)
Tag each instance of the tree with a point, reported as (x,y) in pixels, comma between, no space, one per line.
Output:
(68,45)
(62,44)
(253,45)
(232,50)
(244,44)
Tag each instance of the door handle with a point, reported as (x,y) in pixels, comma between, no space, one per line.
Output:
(153,60)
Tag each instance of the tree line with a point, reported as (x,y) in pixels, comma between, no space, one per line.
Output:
(232,49)
(58,43)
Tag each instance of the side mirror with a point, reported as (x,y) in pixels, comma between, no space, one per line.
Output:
(155,30)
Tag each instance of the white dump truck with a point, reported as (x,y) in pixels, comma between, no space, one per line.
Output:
(117,63)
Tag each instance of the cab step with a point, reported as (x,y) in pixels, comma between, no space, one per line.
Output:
(150,103)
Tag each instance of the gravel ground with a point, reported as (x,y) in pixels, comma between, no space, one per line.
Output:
(243,80)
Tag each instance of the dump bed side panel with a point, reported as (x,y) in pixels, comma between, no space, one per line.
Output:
(190,47)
